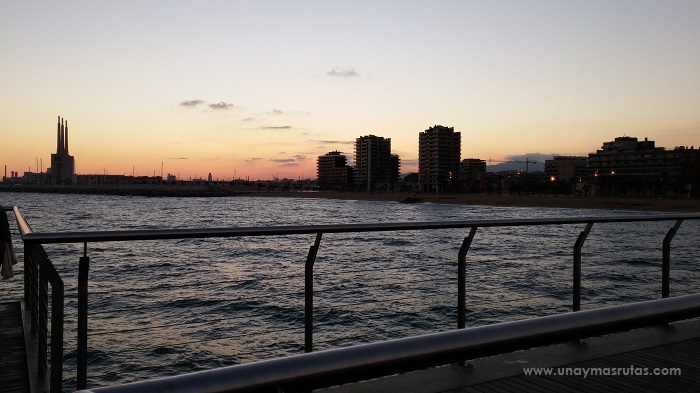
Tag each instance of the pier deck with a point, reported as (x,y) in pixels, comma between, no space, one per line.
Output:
(664,348)
(14,371)
(678,356)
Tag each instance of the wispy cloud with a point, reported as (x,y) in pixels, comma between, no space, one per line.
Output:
(289,162)
(191,103)
(178,158)
(220,106)
(336,142)
(344,72)
(253,159)
(280,112)
(275,128)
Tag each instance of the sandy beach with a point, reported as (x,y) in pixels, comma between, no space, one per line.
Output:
(641,204)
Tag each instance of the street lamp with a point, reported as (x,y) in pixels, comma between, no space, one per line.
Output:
(552,180)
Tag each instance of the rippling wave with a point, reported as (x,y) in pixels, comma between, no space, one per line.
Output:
(173,306)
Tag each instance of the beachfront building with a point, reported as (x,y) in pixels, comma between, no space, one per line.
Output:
(629,167)
(568,173)
(439,150)
(333,172)
(395,170)
(373,163)
(690,171)
(571,169)
(472,172)
(62,168)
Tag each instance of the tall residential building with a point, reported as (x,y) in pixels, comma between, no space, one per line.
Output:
(373,163)
(62,164)
(439,150)
(333,172)
(395,168)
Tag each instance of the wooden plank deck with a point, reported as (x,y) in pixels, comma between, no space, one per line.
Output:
(14,373)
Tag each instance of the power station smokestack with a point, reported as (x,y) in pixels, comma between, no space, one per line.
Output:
(66,138)
(58,134)
(62,141)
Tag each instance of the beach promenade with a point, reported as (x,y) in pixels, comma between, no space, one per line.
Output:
(502,200)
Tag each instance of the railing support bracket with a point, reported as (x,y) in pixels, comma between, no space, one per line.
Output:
(577,267)
(309,294)
(666,266)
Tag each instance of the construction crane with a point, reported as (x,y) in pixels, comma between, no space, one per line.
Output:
(527,163)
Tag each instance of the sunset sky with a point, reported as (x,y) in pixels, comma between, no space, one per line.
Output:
(262,88)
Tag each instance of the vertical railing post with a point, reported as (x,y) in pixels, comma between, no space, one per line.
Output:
(42,329)
(666,266)
(462,279)
(57,316)
(27,279)
(577,267)
(309,295)
(83,270)
(31,283)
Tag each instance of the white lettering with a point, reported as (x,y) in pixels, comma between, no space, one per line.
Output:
(585,372)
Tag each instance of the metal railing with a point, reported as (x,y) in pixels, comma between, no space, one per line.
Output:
(32,238)
(39,275)
(362,362)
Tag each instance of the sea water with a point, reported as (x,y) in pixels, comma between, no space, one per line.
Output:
(168,307)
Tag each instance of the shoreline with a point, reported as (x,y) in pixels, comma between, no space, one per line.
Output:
(504,200)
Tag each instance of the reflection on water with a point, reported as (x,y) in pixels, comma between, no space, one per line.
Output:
(172,306)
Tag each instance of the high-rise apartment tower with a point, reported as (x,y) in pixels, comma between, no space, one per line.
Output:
(439,150)
(373,162)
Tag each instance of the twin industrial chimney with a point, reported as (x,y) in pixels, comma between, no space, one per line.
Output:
(62,164)
(62,130)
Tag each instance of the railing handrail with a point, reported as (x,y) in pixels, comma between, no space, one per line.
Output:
(187,233)
(38,238)
(350,364)
(45,273)
(22,224)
